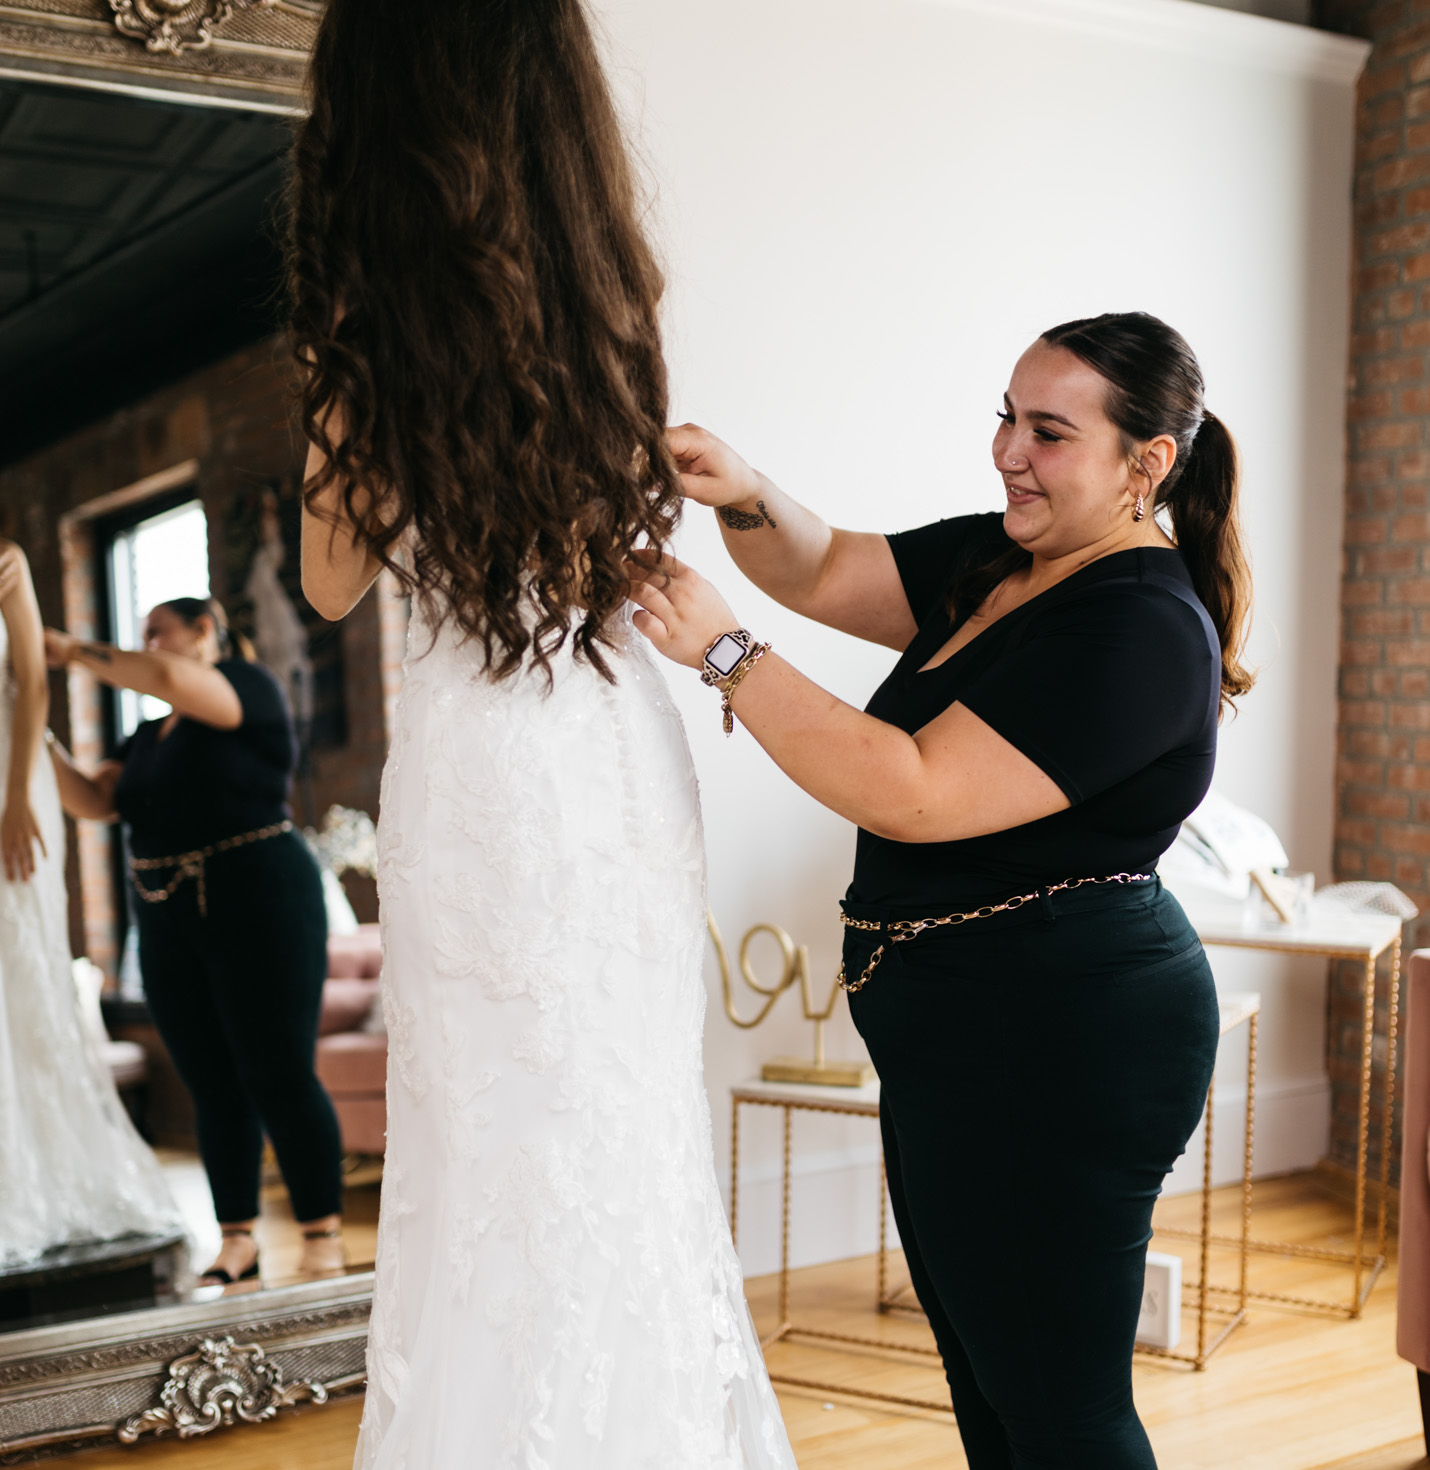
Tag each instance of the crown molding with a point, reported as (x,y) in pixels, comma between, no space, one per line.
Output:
(1193,29)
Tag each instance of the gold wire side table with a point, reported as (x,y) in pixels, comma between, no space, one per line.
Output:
(858,1102)
(1336,936)
(1235,1008)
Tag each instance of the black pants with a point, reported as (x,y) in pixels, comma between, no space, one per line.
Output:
(236,997)
(1041,1072)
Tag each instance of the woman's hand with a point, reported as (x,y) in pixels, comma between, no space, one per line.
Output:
(59,648)
(679,611)
(711,473)
(19,831)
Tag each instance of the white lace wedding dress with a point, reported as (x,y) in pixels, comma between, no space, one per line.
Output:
(556,1287)
(72,1168)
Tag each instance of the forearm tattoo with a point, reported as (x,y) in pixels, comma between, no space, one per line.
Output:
(98,652)
(742,520)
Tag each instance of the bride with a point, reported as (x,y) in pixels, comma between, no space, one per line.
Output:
(72,1168)
(475,310)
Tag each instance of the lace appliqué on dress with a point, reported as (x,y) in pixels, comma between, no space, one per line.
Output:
(555,1286)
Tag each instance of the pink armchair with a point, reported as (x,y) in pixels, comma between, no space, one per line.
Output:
(351,1060)
(1412,1337)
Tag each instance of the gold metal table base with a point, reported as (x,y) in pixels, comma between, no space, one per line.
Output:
(791,1100)
(1365,1266)
(1234,1010)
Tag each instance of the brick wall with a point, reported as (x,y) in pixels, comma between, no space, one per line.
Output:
(232,422)
(1383,775)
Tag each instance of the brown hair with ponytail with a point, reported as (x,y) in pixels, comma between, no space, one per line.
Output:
(191,611)
(1155,387)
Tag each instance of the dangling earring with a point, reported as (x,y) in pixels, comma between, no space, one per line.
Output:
(1140,509)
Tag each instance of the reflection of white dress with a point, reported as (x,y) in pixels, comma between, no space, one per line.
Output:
(72,1168)
(556,1287)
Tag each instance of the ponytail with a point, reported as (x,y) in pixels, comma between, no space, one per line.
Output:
(190,610)
(1206,525)
(1155,387)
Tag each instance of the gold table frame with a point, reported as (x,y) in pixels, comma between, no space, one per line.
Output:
(859,1102)
(863,1102)
(1235,1008)
(1362,937)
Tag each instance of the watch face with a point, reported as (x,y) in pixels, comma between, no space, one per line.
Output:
(725,655)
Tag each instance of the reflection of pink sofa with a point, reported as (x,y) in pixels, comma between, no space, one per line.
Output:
(352,1062)
(1412,1337)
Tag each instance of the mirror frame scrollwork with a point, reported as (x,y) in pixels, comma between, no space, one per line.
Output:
(251,54)
(186,1369)
(173,26)
(219,1384)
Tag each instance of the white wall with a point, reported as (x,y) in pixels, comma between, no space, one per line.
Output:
(869,208)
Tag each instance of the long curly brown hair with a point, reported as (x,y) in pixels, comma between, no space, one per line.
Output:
(475,307)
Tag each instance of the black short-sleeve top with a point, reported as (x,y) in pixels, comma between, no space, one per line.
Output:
(1110,682)
(198,784)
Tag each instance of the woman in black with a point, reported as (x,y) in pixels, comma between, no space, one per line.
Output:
(232,927)
(1044,1046)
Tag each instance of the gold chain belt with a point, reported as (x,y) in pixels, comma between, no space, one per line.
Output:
(900,931)
(191,865)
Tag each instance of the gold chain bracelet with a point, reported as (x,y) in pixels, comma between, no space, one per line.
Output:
(191,865)
(899,931)
(727,715)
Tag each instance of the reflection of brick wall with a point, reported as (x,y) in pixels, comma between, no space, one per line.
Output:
(1383,777)
(224,430)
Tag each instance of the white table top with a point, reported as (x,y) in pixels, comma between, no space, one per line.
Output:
(1327,931)
(863,1099)
(1237,1006)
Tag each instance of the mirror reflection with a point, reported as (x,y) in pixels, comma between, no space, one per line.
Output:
(191,1057)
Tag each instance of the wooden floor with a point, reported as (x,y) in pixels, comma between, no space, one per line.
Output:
(1291,1390)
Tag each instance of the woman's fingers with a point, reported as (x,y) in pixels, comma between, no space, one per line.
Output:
(651,560)
(654,600)
(18,837)
(57,646)
(688,443)
(711,473)
(651,627)
(690,610)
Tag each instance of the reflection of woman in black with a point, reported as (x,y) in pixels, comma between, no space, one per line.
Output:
(232,928)
(1046,1043)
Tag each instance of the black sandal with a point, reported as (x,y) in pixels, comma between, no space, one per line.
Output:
(218,1276)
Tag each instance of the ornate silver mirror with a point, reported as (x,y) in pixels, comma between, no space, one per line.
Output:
(141,146)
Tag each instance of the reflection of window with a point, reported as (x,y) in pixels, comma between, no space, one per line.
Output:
(152,561)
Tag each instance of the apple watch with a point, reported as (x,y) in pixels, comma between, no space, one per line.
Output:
(724,656)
